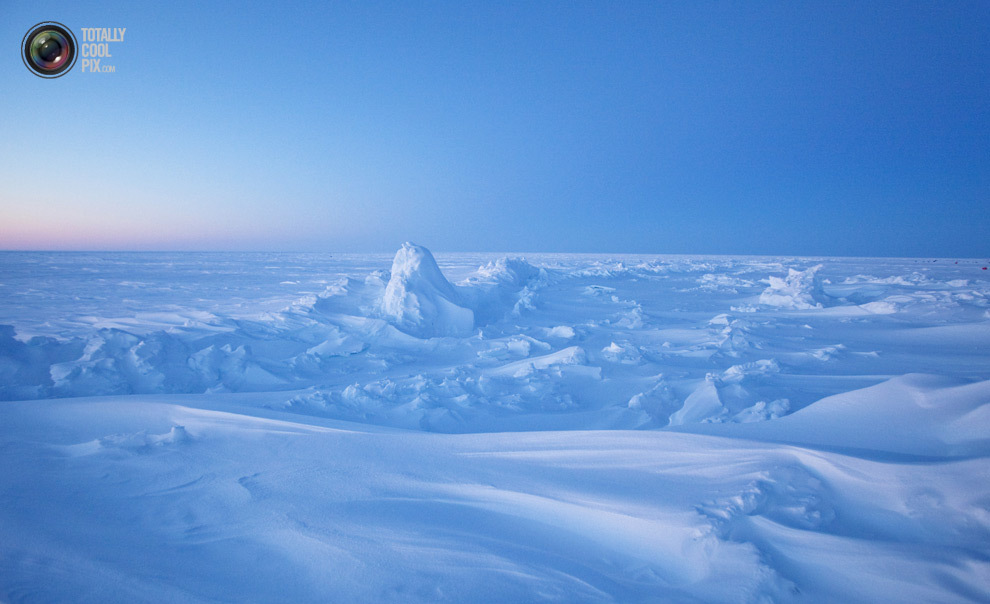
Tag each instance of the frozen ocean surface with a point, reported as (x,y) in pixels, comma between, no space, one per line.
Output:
(493,427)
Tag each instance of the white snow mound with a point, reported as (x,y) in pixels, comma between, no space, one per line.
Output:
(420,301)
(800,290)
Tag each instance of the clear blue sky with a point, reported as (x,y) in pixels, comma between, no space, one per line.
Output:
(839,128)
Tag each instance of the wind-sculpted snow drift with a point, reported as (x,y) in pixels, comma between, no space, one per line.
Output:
(269,427)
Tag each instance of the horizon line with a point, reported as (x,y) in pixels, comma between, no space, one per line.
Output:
(493,252)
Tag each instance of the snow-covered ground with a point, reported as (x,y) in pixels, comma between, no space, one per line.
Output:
(492,427)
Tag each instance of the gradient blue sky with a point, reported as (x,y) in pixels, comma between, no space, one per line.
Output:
(815,128)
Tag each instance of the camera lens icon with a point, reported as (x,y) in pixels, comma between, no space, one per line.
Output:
(49,49)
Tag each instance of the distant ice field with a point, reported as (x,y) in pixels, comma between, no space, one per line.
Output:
(493,427)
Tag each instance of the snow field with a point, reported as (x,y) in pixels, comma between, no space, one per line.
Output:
(197,428)
(192,504)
